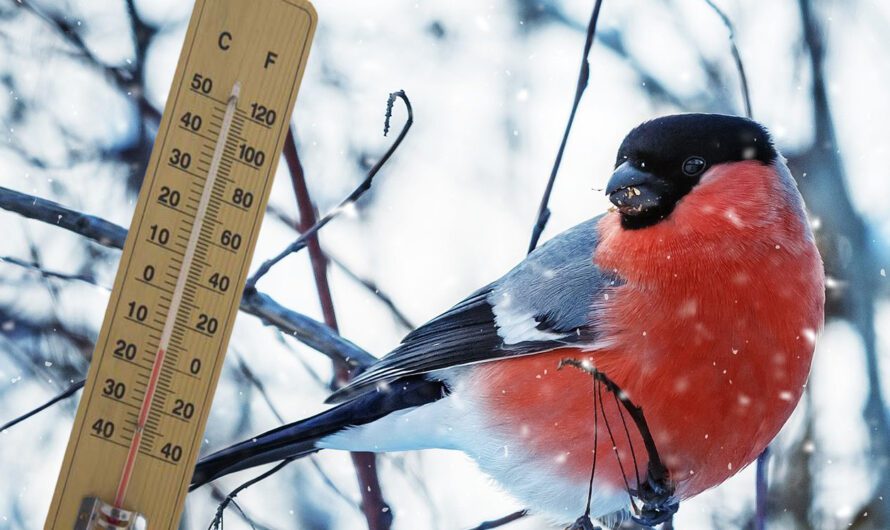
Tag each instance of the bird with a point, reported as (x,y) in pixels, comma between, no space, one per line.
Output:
(699,296)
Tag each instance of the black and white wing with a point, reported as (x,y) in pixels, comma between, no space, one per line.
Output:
(544,303)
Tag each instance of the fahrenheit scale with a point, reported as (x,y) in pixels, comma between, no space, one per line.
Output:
(154,371)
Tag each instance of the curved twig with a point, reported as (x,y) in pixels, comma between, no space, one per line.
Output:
(302,241)
(216,523)
(36,268)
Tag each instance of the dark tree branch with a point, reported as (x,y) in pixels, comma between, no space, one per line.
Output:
(365,185)
(307,220)
(583,77)
(99,230)
(761,492)
(306,330)
(123,78)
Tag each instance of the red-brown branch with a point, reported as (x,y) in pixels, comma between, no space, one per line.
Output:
(376,511)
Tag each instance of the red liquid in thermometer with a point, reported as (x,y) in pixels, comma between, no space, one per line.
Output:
(181,280)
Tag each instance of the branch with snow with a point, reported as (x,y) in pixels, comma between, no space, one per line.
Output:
(305,329)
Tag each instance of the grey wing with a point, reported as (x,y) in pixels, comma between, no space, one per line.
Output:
(544,303)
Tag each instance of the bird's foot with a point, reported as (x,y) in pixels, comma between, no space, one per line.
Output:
(659,504)
(583,523)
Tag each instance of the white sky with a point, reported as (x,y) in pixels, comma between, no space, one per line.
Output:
(452,210)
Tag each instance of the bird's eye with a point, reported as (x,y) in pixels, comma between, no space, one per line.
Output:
(693,165)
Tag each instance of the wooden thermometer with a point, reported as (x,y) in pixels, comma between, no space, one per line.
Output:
(153,374)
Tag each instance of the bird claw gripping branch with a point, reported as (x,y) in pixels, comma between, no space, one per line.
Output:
(657,492)
(583,523)
(659,504)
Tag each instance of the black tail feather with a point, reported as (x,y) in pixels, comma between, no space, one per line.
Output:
(298,439)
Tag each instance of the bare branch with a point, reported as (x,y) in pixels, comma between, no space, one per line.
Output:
(847,234)
(377,512)
(374,289)
(60,397)
(583,77)
(761,490)
(217,522)
(35,267)
(306,330)
(123,78)
(99,230)
(743,79)
(219,495)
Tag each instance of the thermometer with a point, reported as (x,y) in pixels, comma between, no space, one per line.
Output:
(147,396)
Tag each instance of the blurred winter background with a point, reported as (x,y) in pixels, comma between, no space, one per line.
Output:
(82,85)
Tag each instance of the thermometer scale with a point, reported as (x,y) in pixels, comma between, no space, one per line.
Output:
(141,419)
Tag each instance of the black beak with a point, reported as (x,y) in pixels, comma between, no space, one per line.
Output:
(635,192)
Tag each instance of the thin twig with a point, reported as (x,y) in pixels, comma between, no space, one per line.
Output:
(501,521)
(218,494)
(86,278)
(124,79)
(368,284)
(737,57)
(217,521)
(301,242)
(64,395)
(374,289)
(261,388)
(583,77)
(377,513)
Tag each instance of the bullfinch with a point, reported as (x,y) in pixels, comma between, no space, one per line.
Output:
(700,295)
